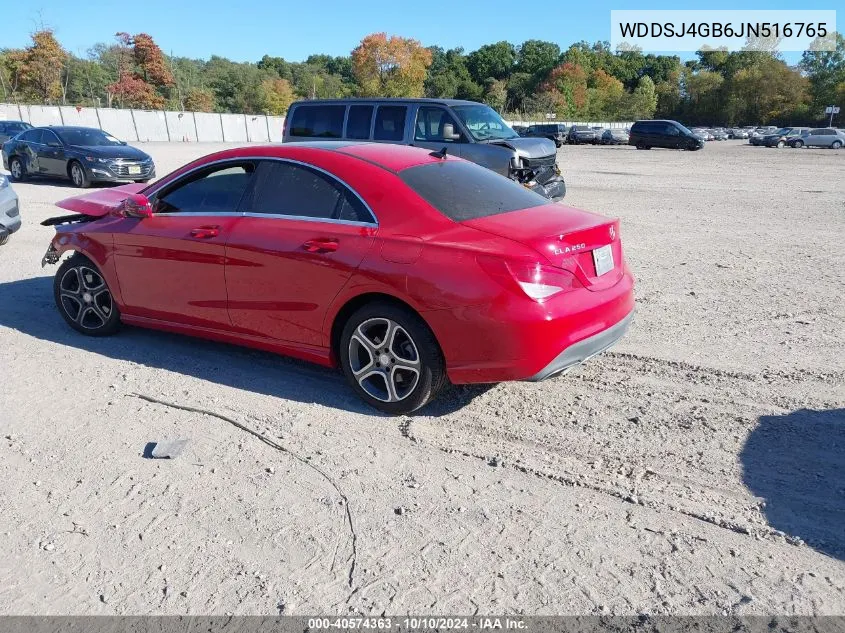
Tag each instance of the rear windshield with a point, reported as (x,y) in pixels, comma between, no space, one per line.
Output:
(462,191)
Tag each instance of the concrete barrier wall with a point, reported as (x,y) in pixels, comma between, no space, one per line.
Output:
(257,130)
(119,123)
(277,128)
(151,125)
(44,115)
(604,124)
(234,128)
(11,112)
(85,117)
(154,125)
(208,126)
(181,126)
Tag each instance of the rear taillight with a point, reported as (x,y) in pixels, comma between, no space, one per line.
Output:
(536,281)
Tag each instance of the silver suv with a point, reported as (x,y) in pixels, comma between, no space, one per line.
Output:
(471,130)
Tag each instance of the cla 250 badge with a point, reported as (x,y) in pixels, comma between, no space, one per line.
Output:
(570,249)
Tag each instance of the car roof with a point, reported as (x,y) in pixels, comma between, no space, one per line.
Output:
(66,127)
(393,158)
(384,100)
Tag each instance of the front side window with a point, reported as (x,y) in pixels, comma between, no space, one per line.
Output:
(390,123)
(483,122)
(288,189)
(436,124)
(218,189)
(318,121)
(33,136)
(49,138)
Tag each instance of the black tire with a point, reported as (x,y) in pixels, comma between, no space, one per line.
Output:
(366,348)
(17,169)
(84,299)
(640,146)
(836,145)
(77,175)
(648,146)
(798,144)
(4,238)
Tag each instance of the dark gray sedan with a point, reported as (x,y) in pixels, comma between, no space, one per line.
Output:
(81,154)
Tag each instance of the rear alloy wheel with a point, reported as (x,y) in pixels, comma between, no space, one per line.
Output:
(78,176)
(391,358)
(798,144)
(16,170)
(836,145)
(84,299)
(781,144)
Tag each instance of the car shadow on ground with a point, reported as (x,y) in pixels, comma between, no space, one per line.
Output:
(796,462)
(27,306)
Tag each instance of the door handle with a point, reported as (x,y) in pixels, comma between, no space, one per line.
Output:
(205,232)
(320,246)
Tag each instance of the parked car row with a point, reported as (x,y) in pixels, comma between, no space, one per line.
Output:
(798,137)
(562,134)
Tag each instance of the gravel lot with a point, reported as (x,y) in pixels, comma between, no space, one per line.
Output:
(697,468)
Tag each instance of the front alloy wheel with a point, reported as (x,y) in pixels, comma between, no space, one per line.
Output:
(391,358)
(84,299)
(78,176)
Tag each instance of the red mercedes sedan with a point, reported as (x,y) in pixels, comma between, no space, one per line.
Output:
(405,267)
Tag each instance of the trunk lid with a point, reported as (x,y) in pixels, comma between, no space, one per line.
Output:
(101,202)
(565,236)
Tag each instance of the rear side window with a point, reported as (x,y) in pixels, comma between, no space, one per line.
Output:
(358,122)
(462,191)
(390,123)
(283,188)
(215,190)
(318,121)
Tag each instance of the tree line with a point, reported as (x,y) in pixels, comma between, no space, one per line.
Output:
(584,82)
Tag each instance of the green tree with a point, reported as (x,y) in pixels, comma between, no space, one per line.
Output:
(492,60)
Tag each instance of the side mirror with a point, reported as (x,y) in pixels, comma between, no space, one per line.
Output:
(449,132)
(123,142)
(137,206)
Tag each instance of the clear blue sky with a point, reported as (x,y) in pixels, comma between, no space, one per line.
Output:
(245,31)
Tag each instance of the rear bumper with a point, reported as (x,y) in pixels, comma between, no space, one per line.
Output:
(584,350)
(523,340)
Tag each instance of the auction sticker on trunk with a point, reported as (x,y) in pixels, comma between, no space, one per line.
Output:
(603,259)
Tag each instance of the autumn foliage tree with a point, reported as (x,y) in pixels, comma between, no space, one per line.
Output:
(390,66)
(36,71)
(199,100)
(141,69)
